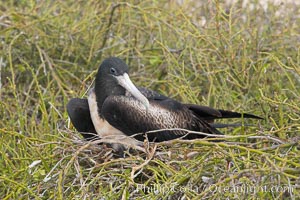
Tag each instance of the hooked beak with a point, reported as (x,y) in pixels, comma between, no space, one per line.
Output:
(126,83)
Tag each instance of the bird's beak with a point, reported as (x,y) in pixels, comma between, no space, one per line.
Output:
(126,83)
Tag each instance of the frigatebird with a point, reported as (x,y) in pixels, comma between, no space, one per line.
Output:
(116,108)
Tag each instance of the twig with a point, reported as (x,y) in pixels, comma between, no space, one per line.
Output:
(134,169)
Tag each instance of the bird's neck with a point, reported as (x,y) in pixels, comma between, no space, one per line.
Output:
(106,89)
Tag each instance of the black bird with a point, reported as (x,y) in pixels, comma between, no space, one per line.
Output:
(116,109)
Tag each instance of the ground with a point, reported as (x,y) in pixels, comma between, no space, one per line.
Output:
(237,55)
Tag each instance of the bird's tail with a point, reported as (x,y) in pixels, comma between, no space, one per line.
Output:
(230,114)
(210,114)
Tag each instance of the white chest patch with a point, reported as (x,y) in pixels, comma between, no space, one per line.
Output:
(104,129)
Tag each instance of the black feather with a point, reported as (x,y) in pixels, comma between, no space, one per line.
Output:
(79,113)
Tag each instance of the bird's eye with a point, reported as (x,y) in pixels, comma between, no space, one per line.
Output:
(113,71)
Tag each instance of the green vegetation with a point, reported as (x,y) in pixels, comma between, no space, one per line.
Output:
(242,57)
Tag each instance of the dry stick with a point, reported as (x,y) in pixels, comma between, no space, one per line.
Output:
(134,169)
(215,136)
(141,147)
(120,139)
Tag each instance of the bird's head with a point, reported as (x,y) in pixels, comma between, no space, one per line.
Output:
(112,79)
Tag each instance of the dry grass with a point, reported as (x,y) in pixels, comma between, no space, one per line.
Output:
(243,57)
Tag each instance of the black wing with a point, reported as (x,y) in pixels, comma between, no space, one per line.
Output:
(203,112)
(130,116)
(79,113)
